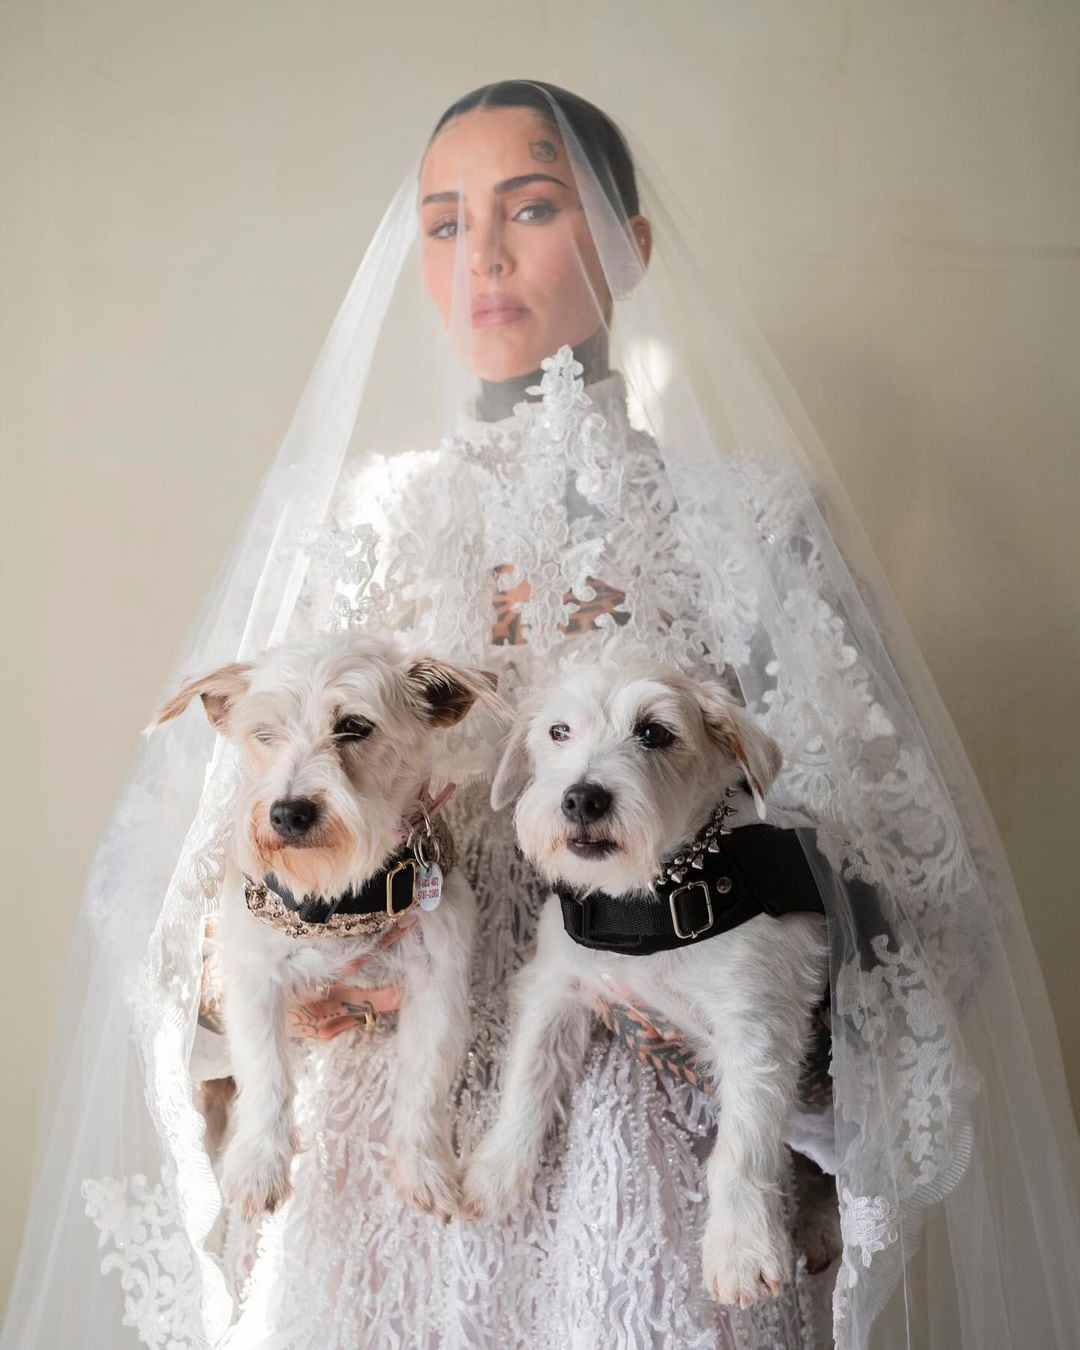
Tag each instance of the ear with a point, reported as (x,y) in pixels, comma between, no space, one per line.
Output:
(448,691)
(641,233)
(740,737)
(515,768)
(218,692)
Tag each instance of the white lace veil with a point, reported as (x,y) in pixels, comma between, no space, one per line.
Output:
(656,476)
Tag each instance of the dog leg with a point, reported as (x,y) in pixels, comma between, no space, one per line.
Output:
(757,1046)
(747,1251)
(433,1035)
(547,1047)
(262,1140)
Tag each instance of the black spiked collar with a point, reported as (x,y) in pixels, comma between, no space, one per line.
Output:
(716,881)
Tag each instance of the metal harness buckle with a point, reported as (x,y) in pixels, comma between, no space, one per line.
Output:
(397,867)
(690,886)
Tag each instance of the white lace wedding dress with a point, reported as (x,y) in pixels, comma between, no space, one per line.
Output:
(562,499)
(606,1253)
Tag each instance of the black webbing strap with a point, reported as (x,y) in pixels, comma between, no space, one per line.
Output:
(371,898)
(758,869)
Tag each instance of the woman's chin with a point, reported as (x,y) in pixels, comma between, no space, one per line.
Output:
(506,352)
(498,354)
(499,370)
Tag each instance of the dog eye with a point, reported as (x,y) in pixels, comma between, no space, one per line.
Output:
(559,732)
(352,729)
(264,735)
(653,735)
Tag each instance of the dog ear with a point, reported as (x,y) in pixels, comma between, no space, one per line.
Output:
(740,737)
(450,691)
(515,768)
(218,691)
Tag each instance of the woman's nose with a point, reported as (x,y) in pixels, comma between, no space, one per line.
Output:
(489,255)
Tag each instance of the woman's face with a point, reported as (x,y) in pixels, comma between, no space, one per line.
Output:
(498,207)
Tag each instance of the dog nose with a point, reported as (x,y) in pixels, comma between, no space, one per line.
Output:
(586,802)
(293,817)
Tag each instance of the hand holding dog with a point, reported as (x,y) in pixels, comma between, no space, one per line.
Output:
(343,1007)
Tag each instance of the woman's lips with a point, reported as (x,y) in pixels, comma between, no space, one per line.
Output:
(492,313)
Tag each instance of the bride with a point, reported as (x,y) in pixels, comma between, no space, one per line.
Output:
(615,460)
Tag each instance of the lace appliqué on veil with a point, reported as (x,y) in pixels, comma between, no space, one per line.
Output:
(887,827)
(149,1250)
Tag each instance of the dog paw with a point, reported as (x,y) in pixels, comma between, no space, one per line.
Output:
(497,1180)
(256,1186)
(742,1263)
(429,1179)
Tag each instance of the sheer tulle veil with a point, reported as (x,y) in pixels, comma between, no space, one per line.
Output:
(415,488)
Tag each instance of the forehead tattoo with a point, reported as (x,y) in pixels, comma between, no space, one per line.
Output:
(544,151)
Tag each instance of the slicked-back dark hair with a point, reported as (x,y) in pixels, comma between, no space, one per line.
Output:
(600,139)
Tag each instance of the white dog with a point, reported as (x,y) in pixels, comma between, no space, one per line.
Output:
(330,848)
(630,778)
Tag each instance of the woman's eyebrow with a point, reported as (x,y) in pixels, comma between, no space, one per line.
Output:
(507,185)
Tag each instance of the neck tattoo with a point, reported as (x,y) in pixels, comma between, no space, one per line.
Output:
(498,398)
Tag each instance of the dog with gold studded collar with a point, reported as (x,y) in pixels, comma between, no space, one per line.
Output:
(641,800)
(335,844)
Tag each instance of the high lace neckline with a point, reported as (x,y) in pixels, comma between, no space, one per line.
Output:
(607,397)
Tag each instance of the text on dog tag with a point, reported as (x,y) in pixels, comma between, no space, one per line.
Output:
(429,886)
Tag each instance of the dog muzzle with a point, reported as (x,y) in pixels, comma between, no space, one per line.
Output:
(714,883)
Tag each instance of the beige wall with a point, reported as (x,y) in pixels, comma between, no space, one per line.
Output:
(188,188)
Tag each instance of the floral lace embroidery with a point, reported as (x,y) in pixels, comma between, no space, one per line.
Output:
(158,1274)
(732,581)
(868,1223)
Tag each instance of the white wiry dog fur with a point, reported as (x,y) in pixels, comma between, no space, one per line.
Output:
(663,749)
(344,725)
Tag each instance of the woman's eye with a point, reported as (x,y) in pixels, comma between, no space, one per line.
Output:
(446,229)
(536,212)
(653,735)
(352,729)
(264,735)
(559,732)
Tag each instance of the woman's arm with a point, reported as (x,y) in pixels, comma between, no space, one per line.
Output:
(340,1008)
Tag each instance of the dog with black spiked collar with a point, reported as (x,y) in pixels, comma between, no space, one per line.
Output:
(641,800)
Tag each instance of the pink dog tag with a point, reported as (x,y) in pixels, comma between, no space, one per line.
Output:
(429,886)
